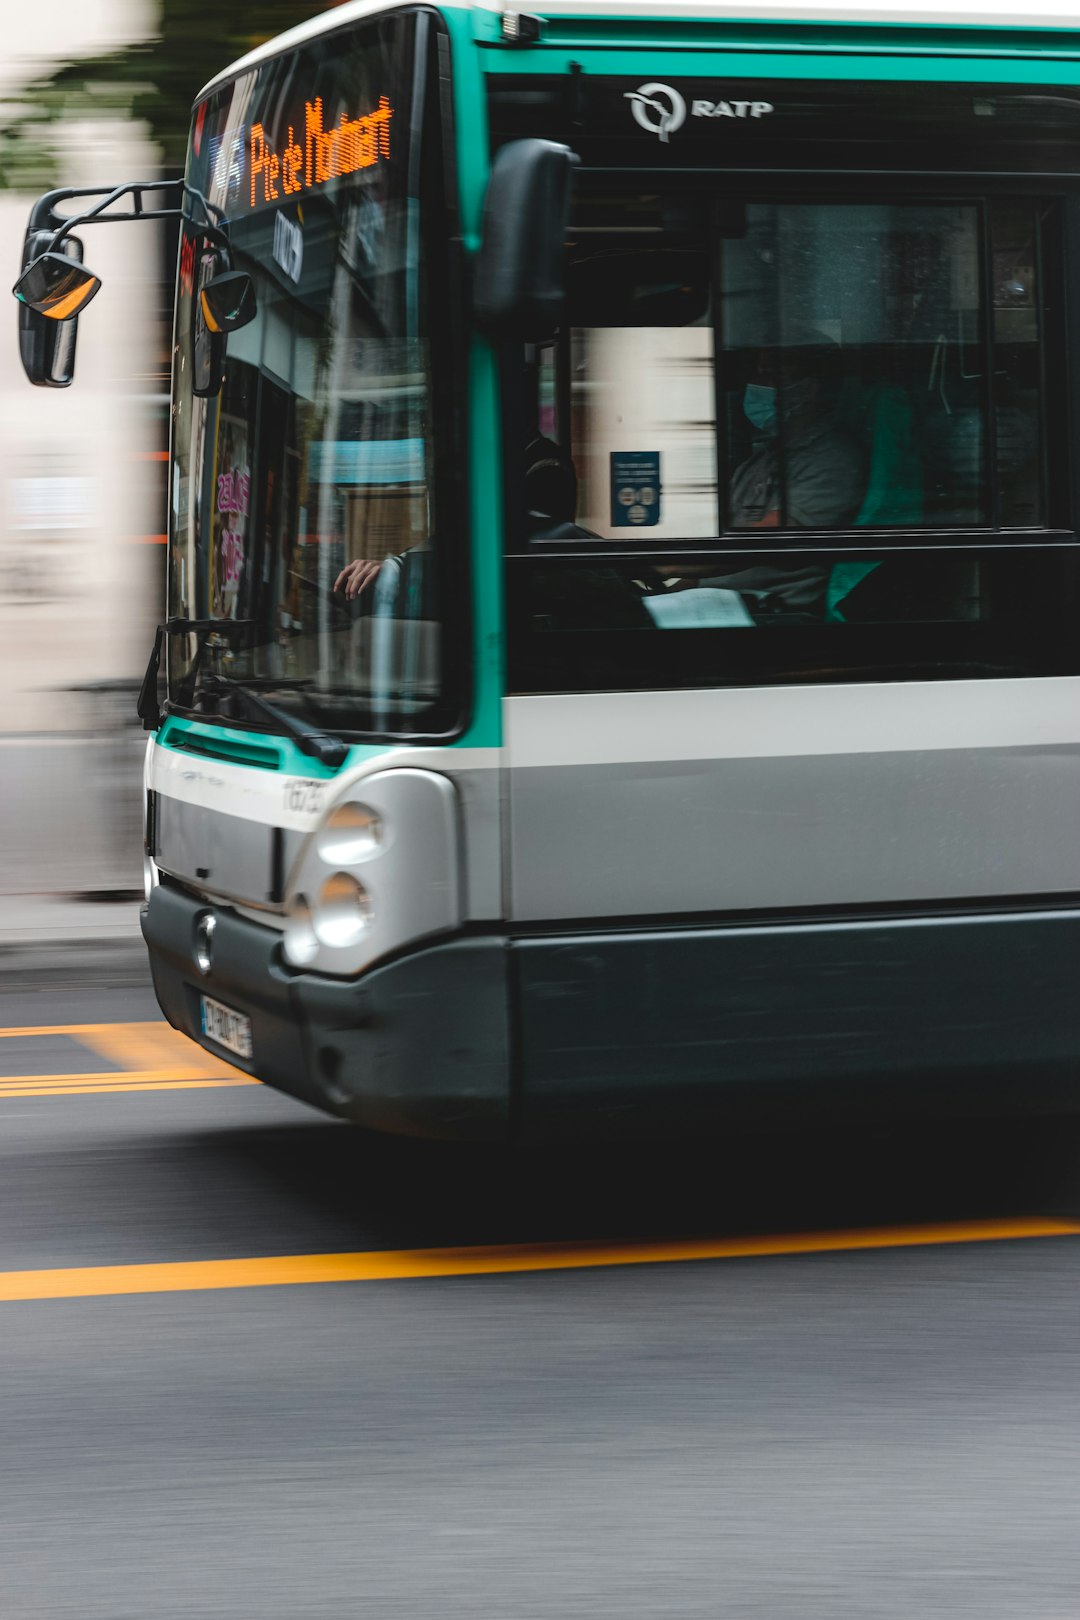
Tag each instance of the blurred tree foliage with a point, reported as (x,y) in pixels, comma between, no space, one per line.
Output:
(26,161)
(155,80)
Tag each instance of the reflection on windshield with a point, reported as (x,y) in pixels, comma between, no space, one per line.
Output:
(315,451)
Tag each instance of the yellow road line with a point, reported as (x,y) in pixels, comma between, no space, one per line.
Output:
(387,1265)
(153,1046)
(130,1077)
(149,1056)
(13,1031)
(84,1089)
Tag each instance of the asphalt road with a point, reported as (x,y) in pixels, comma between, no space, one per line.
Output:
(891,1432)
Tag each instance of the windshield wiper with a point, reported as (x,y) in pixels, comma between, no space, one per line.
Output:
(148,708)
(318,744)
(313,742)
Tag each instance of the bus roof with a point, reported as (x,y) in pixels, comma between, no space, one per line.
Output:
(1062,15)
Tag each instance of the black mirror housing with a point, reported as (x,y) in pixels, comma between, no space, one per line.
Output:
(224,303)
(47,346)
(228,302)
(56,286)
(519,289)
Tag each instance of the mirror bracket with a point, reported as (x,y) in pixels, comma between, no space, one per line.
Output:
(44,216)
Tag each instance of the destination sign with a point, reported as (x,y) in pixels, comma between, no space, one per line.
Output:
(316,154)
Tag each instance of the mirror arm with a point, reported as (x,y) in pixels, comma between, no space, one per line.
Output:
(148,708)
(215,234)
(136,189)
(44,216)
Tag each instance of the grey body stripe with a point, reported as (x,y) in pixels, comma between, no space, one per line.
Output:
(687,802)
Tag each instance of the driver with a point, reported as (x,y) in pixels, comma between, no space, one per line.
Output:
(550,502)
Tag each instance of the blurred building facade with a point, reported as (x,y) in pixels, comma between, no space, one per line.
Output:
(82,496)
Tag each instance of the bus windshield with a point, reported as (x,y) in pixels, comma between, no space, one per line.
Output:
(309,445)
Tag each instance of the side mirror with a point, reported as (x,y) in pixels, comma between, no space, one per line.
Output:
(56,286)
(47,340)
(224,302)
(520,289)
(228,302)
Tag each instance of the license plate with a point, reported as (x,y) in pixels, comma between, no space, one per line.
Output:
(226,1028)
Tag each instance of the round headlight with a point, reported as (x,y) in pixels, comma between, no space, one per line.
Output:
(298,942)
(350,833)
(342,911)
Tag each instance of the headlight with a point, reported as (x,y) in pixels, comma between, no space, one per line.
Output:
(342,911)
(299,942)
(350,833)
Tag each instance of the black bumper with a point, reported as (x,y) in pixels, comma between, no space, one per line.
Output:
(419,1046)
(924,1015)
(601,1033)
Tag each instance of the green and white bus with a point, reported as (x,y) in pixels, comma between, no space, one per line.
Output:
(622,654)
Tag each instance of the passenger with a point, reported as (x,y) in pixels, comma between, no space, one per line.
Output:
(805,473)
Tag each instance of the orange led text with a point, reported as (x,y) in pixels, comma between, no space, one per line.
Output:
(319,154)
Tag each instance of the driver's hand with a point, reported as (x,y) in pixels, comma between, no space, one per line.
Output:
(356,577)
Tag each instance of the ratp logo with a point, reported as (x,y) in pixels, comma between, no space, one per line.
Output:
(658,108)
(661,109)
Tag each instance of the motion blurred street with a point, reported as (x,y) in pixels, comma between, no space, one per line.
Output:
(887,1431)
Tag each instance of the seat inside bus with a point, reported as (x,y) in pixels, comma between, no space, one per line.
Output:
(881,420)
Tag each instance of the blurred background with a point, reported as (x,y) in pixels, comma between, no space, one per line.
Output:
(94,92)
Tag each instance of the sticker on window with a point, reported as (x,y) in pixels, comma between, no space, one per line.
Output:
(635,489)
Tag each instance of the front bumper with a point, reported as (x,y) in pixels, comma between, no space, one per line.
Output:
(419,1046)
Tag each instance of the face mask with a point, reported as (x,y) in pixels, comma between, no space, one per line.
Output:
(759,403)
